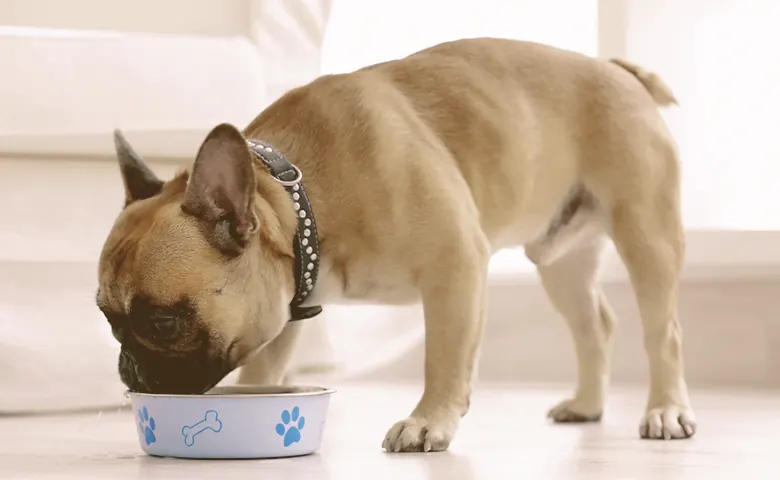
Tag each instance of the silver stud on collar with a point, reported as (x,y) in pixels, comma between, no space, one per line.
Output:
(308,255)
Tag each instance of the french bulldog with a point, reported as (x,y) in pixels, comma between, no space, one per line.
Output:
(413,172)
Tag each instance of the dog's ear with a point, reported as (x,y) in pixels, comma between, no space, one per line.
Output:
(221,189)
(139,180)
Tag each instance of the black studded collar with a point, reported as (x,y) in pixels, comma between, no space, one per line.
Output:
(306,242)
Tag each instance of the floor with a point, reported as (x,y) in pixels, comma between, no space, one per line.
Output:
(504,435)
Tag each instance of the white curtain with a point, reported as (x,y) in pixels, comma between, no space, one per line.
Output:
(361,33)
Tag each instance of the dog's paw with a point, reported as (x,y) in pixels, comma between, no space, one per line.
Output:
(419,435)
(666,423)
(574,410)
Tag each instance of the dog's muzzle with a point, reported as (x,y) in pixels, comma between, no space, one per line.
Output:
(152,372)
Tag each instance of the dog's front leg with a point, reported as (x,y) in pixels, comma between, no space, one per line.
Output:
(269,365)
(453,292)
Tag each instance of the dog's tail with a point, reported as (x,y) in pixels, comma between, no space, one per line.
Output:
(659,90)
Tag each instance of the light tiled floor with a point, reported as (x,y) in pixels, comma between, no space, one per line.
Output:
(504,435)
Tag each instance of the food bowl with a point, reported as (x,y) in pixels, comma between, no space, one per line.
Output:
(232,422)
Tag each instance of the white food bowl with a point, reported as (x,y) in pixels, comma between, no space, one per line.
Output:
(232,422)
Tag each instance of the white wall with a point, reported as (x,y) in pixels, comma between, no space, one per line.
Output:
(720,58)
(361,33)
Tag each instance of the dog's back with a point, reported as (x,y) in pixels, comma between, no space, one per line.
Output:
(520,123)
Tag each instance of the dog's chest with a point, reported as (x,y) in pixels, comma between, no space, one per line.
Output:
(369,282)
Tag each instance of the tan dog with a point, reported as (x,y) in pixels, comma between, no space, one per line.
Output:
(417,170)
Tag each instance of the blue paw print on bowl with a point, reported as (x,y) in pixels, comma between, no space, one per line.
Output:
(147,425)
(291,426)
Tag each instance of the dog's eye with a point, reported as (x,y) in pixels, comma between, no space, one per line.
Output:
(164,327)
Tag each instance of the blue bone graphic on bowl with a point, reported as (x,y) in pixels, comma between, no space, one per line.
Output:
(210,421)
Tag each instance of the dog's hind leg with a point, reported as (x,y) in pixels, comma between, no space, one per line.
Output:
(648,233)
(571,283)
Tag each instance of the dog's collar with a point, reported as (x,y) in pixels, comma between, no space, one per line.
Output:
(306,243)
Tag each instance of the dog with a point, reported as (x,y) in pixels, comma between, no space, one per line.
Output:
(395,184)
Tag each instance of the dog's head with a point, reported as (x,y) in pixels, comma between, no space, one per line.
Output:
(191,278)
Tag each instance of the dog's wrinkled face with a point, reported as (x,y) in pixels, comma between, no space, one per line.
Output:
(184,280)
